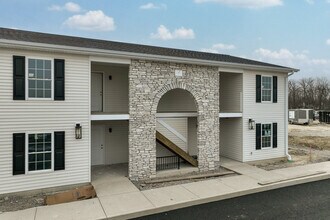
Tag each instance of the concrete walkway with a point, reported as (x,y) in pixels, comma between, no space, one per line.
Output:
(118,198)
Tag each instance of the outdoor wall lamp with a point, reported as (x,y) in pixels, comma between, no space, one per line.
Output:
(78,131)
(252,124)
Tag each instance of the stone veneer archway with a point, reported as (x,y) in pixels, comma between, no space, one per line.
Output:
(148,82)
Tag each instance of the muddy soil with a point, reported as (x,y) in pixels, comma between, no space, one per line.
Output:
(307,144)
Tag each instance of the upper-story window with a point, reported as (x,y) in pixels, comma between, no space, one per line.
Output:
(39,78)
(266,88)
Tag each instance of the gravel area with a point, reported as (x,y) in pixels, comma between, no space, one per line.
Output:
(18,202)
(142,185)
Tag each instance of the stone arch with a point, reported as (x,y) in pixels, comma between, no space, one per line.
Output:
(175,85)
(194,95)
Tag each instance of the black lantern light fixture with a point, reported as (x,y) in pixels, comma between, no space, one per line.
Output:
(78,131)
(252,124)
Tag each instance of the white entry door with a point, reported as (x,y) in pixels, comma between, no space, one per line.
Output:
(98,148)
(97,92)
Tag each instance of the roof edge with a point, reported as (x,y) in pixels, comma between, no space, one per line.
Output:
(132,55)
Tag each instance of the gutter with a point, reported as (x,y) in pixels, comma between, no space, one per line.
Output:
(133,55)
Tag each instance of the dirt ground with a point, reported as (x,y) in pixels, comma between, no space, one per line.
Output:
(307,144)
(25,200)
(18,202)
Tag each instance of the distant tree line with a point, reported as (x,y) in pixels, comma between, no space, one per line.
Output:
(313,93)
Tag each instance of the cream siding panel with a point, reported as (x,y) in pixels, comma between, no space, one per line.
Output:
(230,92)
(177,100)
(231,135)
(42,116)
(115,91)
(178,124)
(263,113)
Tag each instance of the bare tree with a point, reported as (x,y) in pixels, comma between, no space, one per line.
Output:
(309,92)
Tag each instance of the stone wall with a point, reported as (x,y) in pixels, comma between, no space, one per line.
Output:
(148,82)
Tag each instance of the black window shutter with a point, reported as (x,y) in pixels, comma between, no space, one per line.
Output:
(59,79)
(18,153)
(258,88)
(258,136)
(19,78)
(274,89)
(274,135)
(59,151)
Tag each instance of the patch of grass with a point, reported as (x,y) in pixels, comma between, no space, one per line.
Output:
(315,142)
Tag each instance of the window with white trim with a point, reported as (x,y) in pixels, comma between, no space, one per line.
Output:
(39,78)
(40,151)
(266,136)
(266,88)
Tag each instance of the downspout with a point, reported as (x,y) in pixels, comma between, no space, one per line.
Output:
(286,109)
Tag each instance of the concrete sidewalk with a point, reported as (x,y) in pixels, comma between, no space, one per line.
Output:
(118,198)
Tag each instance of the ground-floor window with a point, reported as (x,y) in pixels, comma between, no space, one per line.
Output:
(266,136)
(40,151)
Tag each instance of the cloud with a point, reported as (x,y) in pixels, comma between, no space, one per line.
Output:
(218,48)
(301,60)
(150,6)
(251,4)
(328,41)
(69,6)
(279,55)
(91,21)
(165,34)
(311,2)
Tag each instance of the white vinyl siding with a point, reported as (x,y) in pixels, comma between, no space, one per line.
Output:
(231,92)
(231,144)
(262,113)
(25,116)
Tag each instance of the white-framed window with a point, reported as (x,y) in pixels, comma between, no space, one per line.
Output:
(266,88)
(39,78)
(266,135)
(39,152)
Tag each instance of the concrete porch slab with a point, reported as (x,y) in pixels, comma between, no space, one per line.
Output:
(112,180)
(115,187)
(169,195)
(80,210)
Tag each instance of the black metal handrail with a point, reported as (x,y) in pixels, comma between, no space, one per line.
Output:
(168,162)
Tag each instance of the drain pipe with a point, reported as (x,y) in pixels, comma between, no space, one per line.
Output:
(286,115)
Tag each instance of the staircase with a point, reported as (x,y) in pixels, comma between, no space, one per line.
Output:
(175,149)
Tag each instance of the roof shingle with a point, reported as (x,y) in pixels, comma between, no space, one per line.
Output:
(54,39)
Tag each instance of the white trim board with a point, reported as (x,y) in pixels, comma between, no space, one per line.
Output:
(230,115)
(110,117)
(177,115)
